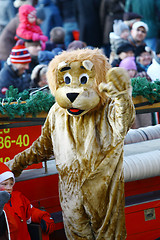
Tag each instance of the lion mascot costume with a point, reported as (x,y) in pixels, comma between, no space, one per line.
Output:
(85,131)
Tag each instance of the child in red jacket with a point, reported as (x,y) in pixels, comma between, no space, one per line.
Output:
(28,30)
(16,211)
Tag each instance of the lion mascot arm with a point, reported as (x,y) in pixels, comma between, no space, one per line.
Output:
(39,151)
(121,113)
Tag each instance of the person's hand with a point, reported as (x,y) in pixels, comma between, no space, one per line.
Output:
(4,198)
(47,224)
(35,37)
(43,38)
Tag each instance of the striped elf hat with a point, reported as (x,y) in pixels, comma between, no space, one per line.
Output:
(20,54)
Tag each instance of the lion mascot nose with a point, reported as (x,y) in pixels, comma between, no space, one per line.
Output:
(72,96)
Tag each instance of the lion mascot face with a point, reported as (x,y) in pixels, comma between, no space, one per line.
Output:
(74,78)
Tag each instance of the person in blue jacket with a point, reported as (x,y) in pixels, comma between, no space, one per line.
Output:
(14,71)
(52,16)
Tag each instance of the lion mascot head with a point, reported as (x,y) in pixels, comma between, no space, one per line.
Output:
(74,78)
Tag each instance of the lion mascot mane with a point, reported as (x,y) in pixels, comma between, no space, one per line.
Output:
(85,131)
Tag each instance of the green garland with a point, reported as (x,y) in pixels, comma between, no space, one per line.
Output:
(34,104)
(42,101)
(149,90)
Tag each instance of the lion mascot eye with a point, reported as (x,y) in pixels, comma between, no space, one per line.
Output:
(67,78)
(83,78)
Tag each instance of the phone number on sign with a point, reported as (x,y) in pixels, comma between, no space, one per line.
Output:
(7,142)
(6,159)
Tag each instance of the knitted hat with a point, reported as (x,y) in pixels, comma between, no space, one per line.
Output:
(20,54)
(138,24)
(141,49)
(128,63)
(124,47)
(5,173)
(119,26)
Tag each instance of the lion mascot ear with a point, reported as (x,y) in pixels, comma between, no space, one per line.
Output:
(87,64)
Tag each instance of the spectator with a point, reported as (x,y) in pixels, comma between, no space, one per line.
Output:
(7,12)
(57,39)
(44,57)
(118,37)
(88,18)
(40,14)
(7,41)
(67,11)
(154,69)
(129,64)
(130,17)
(34,47)
(138,34)
(76,44)
(14,71)
(123,51)
(150,12)
(38,76)
(16,211)
(110,10)
(53,17)
(144,56)
(141,120)
(28,29)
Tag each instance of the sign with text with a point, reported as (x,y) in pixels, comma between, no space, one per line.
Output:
(15,140)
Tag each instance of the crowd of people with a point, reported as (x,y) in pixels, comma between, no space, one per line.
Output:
(36,31)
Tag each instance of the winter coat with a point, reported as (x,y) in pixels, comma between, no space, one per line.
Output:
(44,57)
(87,14)
(67,10)
(7,12)
(149,10)
(7,40)
(116,41)
(18,213)
(109,11)
(154,70)
(9,76)
(135,44)
(26,30)
(52,16)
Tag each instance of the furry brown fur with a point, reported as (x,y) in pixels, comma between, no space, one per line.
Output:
(99,61)
(85,130)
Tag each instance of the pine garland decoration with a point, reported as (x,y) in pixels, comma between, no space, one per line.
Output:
(20,104)
(149,90)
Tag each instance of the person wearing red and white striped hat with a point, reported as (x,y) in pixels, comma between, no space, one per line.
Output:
(14,71)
